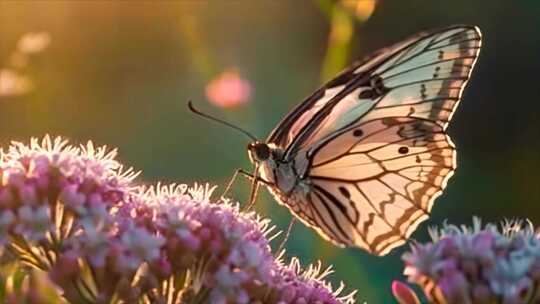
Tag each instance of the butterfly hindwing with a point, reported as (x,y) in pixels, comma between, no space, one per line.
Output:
(373,184)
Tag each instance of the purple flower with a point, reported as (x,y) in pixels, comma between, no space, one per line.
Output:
(33,222)
(482,264)
(231,245)
(75,213)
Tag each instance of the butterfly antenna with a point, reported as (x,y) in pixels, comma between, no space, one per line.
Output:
(195,111)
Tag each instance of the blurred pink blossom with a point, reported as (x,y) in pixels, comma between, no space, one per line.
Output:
(228,90)
(404,294)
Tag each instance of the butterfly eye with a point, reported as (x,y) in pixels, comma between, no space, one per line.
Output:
(262,151)
(259,151)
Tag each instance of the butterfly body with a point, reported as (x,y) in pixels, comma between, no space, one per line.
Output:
(362,159)
(291,187)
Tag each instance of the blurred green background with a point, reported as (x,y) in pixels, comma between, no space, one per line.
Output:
(120,74)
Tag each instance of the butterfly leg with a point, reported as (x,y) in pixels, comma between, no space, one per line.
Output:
(255,181)
(287,234)
(253,193)
(245,174)
(231,182)
(251,177)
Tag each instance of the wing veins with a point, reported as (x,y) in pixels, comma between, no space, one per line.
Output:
(426,182)
(380,174)
(352,125)
(323,222)
(453,35)
(457,43)
(406,197)
(430,64)
(336,202)
(419,103)
(429,80)
(371,150)
(306,130)
(426,48)
(381,162)
(332,215)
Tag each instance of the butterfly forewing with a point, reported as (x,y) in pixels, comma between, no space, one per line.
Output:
(372,142)
(422,77)
(427,83)
(300,116)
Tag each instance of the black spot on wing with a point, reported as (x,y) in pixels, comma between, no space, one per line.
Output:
(390,121)
(358,133)
(377,85)
(436,74)
(423,91)
(367,94)
(345,192)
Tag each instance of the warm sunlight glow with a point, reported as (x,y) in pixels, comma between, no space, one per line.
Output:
(31,43)
(13,84)
(363,9)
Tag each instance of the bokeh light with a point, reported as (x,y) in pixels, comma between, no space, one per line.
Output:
(228,90)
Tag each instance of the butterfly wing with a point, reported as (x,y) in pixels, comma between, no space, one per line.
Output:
(288,128)
(373,184)
(422,77)
(373,142)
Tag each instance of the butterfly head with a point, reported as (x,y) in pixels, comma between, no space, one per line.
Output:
(258,151)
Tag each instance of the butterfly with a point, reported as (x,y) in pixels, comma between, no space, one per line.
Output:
(362,160)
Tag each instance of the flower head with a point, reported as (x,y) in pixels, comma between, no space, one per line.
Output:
(482,264)
(73,211)
(231,245)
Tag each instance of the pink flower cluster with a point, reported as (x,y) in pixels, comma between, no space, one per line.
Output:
(75,213)
(482,264)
